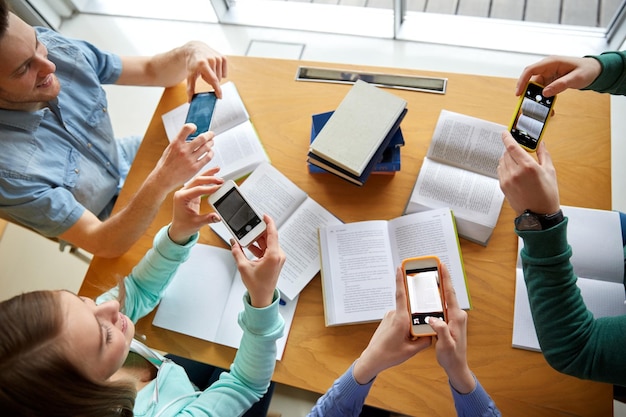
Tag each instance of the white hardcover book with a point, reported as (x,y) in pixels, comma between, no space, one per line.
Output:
(358,126)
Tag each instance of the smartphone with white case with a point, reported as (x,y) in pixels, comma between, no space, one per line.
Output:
(241,219)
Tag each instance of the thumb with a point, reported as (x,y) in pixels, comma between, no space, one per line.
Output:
(191,86)
(186,130)
(237,252)
(543,156)
(441,328)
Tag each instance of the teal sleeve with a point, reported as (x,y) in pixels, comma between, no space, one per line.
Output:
(571,339)
(253,367)
(144,286)
(612,79)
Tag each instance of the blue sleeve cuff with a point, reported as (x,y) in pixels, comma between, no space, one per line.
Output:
(344,399)
(475,403)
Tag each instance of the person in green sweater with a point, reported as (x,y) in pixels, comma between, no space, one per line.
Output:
(571,339)
(605,73)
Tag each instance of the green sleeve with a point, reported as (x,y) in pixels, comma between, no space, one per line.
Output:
(571,339)
(612,79)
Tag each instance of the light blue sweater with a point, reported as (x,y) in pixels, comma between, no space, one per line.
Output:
(171,393)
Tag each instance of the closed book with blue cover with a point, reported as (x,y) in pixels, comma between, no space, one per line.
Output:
(358,128)
(348,176)
(390,161)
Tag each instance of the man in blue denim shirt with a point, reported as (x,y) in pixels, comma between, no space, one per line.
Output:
(61,167)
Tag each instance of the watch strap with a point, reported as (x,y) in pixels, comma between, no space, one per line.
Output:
(529,220)
(550,220)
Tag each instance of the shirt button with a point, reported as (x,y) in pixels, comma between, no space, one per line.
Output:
(104,109)
(76,170)
(89,145)
(108,164)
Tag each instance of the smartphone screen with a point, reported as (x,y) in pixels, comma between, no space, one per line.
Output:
(200,112)
(423,285)
(237,213)
(531,116)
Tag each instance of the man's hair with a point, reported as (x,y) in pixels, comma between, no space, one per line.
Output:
(4,17)
(36,377)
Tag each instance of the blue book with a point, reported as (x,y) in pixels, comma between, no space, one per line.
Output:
(388,163)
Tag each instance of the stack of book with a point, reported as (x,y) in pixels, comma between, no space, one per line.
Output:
(360,137)
(389,162)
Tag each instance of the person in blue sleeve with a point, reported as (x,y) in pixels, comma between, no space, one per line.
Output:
(391,345)
(61,166)
(65,355)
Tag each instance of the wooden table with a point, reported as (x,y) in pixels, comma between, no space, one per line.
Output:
(521,382)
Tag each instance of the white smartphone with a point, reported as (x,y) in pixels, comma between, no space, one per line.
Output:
(241,219)
(425,293)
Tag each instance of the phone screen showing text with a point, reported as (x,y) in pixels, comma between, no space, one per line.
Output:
(531,117)
(201,112)
(237,213)
(424,295)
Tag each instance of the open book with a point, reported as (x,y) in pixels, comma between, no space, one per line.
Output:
(460,172)
(598,260)
(297,217)
(237,148)
(359,262)
(205,297)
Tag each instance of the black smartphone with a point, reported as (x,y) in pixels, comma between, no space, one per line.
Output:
(531,117)
(200,112)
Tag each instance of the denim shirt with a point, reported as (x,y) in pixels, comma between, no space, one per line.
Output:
(60,160)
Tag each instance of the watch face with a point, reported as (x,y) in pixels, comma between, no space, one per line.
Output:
(528,221)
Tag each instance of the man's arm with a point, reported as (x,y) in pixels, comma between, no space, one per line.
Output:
(190,61)
(180,161)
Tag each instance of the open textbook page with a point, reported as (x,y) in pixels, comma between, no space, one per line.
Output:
(359,262)
(205,297)
(460,172)
(297,217)
(598,261)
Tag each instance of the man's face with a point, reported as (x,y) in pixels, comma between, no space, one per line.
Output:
(27,79)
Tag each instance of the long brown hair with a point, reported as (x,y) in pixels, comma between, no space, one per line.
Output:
(4,17)
(36,379)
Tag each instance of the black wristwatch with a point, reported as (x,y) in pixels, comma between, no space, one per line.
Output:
(533,221)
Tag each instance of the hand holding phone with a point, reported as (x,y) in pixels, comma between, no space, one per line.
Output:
(240,218)
(200,112)
(425,293)
(531,116)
